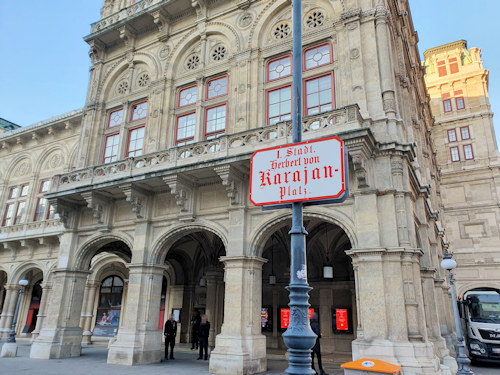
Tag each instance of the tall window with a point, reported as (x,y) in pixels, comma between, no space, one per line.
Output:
(319,94)
(133,129)
(43,210)
(455,156)
(447,105)
(452,135)
(215,121)
(453,65)
(441,68)
(318,84)
(214,115)
(468,154)
(464,131)
(279,105)
(16,202)
(460,103)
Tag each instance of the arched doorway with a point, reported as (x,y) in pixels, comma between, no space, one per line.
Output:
(330,274)
(109,306)
(34,307)
(196,282)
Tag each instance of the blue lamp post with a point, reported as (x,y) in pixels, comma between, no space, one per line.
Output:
(462,360)
(299,337)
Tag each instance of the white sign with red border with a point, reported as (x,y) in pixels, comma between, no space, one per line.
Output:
(305,171)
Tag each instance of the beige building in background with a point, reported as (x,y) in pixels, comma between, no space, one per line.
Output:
(468,160)
(137,205)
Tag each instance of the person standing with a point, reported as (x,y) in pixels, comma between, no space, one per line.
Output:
(195,329)
(316,348)
(170,333)
(203,336)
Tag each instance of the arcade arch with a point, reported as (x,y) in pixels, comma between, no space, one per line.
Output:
(332,296)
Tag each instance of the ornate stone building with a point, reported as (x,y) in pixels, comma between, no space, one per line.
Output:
(468,161)
(137,205)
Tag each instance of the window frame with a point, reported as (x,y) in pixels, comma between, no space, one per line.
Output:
(451,154)
(332,91)
(444,106)
(304,52)
(132,108)
(268,91)
(463,103)
(440,66)
(180,90)
(184,140)
(454,131)
(106,137)
(206,134)
(111,111)
(269,62)
(11,217)
(471,151)
(462,134)
(453,64)
(215,78)
(129,132)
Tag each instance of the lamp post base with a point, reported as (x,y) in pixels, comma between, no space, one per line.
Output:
(9,349)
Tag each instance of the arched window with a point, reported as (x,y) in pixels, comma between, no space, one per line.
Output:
(109,308)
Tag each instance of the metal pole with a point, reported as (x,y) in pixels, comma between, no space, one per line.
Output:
(462,360)
(12,334)
(299,337)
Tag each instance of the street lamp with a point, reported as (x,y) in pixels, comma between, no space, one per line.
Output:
(9,349)
(462,360)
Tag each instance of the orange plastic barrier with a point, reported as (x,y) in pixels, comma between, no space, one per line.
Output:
(374,365)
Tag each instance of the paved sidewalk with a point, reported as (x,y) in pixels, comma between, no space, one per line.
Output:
(93,362)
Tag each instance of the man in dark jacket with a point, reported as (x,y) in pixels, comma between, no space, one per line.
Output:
(316,348)
(170,333)
(195,328)
(203,336)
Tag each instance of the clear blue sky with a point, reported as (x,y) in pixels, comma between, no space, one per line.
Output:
(44,65)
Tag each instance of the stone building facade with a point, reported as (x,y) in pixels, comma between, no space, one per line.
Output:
(137,205)
(468,161)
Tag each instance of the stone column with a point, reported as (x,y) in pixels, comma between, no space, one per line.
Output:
(240,348)
(42,311)
(12,292)
(61,335)
(139,340)
(88,311)
(212,312)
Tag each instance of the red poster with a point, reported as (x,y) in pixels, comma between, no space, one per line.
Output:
(341,319)
(285,317)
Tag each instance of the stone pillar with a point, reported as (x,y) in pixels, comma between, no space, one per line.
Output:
(61,335)
(9,308)
(42,311)
(139,340)
(240,348)
(391,320)
(212,312)
(88,311)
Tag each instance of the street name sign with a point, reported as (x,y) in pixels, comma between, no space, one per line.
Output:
(300,172)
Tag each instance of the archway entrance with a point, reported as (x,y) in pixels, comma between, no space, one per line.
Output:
(331,276)
(195,282)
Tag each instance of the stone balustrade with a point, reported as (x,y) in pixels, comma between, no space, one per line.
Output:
(138,7)
(241,144)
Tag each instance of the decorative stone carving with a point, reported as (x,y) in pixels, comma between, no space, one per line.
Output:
(218,53)
(354,53)
(98,204)
(55,161)
(164,52)
(96,52)
(127,34)
(314,19)
(160,20)
(122,87)
(245,20)
(23,169)
(282,30)
(233,180)
(137,199)
(143,80)
(193,62)
(65,210)
(181,188)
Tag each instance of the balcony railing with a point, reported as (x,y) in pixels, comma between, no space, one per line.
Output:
(225,146)
(136,8)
